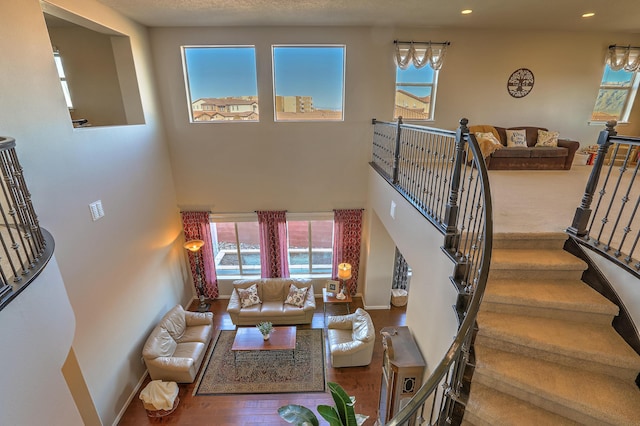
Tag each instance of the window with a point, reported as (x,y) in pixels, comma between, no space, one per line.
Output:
(615,97)
(415,93)
(63,78)
(310,246)
(308,82)
(236,245)
(221,83)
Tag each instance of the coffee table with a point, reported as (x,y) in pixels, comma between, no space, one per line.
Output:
(250,339)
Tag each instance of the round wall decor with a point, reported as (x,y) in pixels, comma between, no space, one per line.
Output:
(520,83)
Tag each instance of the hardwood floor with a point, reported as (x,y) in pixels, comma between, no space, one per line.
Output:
(361,382)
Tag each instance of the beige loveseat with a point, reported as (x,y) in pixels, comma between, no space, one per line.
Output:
(351,339)
(270,304)
(175,349)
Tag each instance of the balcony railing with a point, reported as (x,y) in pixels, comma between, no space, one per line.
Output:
(25,248)
(608,218)
(443,175)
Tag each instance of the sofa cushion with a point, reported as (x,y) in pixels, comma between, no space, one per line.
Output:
(546,139)
(275,290)
(175,322)
(484,128)
(513,153)
(296,296)
(191,350)
(516,138)
(363,329)
(160,343)
(197,333)
(531,133)
(549,152)
(249,296)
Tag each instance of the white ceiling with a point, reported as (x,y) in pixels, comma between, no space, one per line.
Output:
(562,15)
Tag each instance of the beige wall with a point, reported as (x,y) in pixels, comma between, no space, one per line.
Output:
(226,167)
(121,272)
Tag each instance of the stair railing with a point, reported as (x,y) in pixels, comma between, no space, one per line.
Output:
(612,228)
(443,175)
(25,248)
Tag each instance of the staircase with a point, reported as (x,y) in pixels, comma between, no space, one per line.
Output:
(545,351)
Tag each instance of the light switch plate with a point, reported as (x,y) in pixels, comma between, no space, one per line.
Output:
(96,210)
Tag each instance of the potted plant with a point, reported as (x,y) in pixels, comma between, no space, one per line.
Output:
(341,415)
(265,328)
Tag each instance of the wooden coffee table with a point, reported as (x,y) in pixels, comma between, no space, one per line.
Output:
(250,339)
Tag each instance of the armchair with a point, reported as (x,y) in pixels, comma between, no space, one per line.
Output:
(351,339)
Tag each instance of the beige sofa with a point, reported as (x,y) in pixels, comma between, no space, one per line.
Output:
(270,304)
(176,347)
(351,339)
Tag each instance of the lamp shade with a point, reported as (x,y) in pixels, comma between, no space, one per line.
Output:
(344,271)
(193,245)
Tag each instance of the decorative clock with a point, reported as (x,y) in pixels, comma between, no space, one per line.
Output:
(520,83)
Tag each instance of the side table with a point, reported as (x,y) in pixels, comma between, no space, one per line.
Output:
(329,298)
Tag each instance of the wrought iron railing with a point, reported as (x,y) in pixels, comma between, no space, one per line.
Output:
(612,226)
(443,175)
(25,248)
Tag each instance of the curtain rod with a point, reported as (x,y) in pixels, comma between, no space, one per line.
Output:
(444,43)
(627,46)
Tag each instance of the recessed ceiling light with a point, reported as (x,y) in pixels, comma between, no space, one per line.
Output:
(588,15)
(466,11)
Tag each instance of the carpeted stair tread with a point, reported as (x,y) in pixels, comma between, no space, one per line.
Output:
(589,398)
(571,295)
(538,240)
(532,259)
(491,407)
(591,346)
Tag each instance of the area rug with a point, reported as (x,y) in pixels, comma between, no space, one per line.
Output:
(264,371)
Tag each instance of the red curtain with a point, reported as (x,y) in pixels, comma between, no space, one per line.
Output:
(197,227)
(274,256)
(347,235)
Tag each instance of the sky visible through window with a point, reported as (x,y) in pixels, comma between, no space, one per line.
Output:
(219,72)
(316,71)
(413,75)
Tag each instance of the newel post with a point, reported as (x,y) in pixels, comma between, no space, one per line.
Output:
(451,237)
(396,155)
(578,227)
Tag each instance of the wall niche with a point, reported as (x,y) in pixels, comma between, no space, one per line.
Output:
(98,69)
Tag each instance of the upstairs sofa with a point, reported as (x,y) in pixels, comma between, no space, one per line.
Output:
(553,154)
(175,348)
(285,301)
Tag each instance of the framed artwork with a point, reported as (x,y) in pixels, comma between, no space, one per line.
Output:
(332,286)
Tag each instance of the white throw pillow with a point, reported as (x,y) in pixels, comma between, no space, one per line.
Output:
(296,296)
(249,296)
(516,138)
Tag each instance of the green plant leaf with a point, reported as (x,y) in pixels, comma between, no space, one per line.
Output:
(330,414)
(344,405)
(298,414)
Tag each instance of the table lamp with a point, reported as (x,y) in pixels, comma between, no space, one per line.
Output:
(344,273)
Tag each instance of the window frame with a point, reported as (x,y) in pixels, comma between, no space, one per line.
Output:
(252,217)
(432,100)
(343,89)
(631,90)
(190,101)
(310,217)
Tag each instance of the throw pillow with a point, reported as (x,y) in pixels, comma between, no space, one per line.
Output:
(517,138)
(248,296)
(547,138)
(296,296)
(488,136)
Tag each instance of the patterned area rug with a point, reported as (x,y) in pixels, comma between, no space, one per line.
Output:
(264,371)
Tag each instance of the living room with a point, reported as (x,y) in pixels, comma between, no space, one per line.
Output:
(118,275)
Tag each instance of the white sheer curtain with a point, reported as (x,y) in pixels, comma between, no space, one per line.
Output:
(624,57)
(419,54)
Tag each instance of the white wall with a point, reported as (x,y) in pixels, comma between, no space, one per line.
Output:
(429,314)
(121,273)
(36,333)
